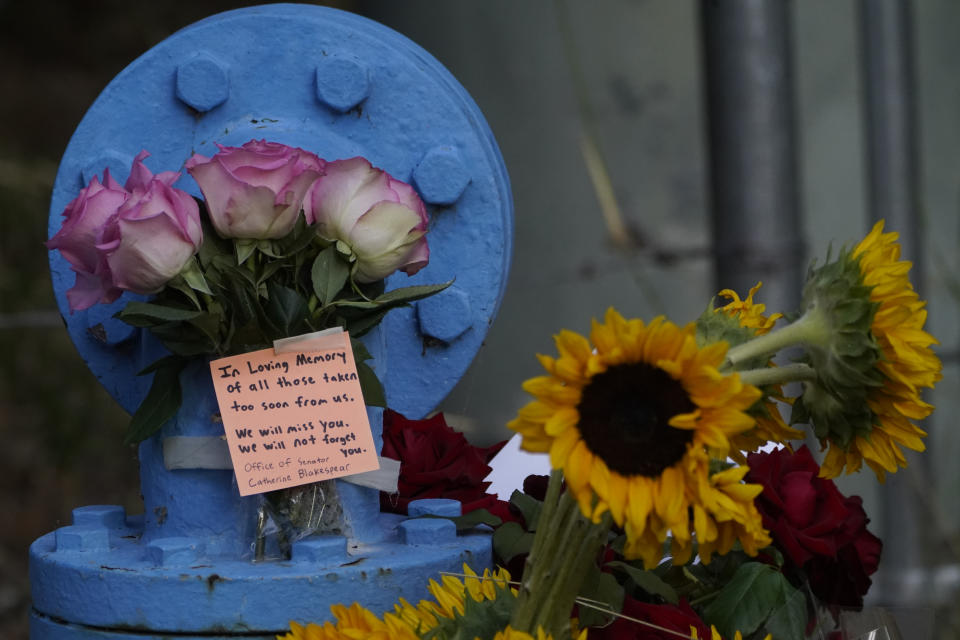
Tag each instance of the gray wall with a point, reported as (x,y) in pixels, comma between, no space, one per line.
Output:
(640,60)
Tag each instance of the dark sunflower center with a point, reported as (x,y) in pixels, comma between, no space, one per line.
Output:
(624,415)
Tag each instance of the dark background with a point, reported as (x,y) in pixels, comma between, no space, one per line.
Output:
(60,430)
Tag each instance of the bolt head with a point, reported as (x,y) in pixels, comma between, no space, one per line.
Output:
(78,538)
(320,549)
(203,82)
(434,507)
(441,177)
(109,516)
(445,315)
(342,82)
(174,551)
(428,531)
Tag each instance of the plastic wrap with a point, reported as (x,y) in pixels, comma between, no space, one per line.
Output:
(283,517)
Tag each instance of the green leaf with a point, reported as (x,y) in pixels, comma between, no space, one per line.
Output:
(161,404)
(328,274)
(476,517)
(360,351)
(286,309)
(511,540)
(789,621)
(297,240)
(244,304)
(213,245)
(214,277)
(373,392)
(471,520)
(603,591)
(357,304)
(267,247)
(647,580)
(371,290)
(193,276)
(529,507)
(183,339)
(188,348)
(755,592)
(240,276)
(361,316)
(244,248)
(246,337)
(344,249)
(179,284)
(361,325)
(409,294)
(209,324)
(269,269)
(147,314)
(165,361)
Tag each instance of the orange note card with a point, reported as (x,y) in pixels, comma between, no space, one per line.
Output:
(295,417)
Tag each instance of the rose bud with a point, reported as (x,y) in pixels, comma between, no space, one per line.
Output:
(255,191)
(381,220)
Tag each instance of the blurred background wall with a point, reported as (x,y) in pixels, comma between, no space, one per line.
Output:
(628,72)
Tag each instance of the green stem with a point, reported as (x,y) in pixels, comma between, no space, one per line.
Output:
(550,503)
(565,546)
(356,288)
(811,328)
(536,572)
(778,375)
(554,615)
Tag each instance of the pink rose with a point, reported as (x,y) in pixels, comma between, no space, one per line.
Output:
(77,240)
(154,233)
(381,220)
(135,237)
(255,191)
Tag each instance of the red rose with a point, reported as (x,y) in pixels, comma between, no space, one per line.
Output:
(435,462)
(844,581)
(672,620)
(818,529)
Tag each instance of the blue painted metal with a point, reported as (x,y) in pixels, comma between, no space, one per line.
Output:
(173,586)
(338,85)
(435,507)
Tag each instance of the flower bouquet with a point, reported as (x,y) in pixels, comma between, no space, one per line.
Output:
(283,243)
(665,515)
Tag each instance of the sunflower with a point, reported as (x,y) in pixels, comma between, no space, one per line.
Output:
(512,634)
(770,424)
(632,416)
(748,312)
(735,516)
(451,595)
(353,622)
(408,622)
(874,362)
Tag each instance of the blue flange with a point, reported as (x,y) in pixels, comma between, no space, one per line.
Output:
(338,85)
(99,574)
